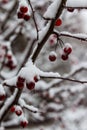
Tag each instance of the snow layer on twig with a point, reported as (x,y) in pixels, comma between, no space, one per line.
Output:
(52,9)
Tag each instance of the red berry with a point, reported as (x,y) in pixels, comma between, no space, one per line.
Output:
(12,109)
(4,47)
(52,58)
(23,9)
(26,17)
(24,123)
(64,57)
(2,97)
(18,112)
(20,85)
(20,15)
(12,67)
(9,56)
(70,9)
(9,64)
(58,22)
(30,85)
(21,79)
(68,50)
(51,41)
(36,79)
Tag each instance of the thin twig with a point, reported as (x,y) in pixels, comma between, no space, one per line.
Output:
(68,34)
(33,14)
(68,79)
(76,7)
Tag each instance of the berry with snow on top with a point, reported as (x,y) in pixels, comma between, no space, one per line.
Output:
(26,17)
(24,124)
(64,57)
(30,85)
(68,48)
(24,9)
(52,56)
(18,110)
(36,78)
(21,79)
(70,9)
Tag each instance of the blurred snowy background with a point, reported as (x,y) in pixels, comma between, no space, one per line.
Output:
(63,102)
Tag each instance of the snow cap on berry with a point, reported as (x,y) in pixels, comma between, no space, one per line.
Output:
(23,121)
(53,53)
(29,72)
(67,49)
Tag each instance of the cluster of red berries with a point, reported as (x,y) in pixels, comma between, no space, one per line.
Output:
(64,56)
(10,63)
(66,51)
(30,85)
(18,111)
(23,13)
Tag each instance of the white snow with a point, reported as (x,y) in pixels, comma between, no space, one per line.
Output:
(2,91)
(77,3)
(52,9)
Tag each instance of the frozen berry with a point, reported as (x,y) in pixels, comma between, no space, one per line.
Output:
(70,9)
(68,48)
(26,17)
(21,79)
(18,112)
(30,85)
(12,109)
(58,22)
(52,56)
(36,79)
(9,56)
(20,85)
(24,123)
(2,97)
(64,57)
(51,41)
(23,9)
(20,15)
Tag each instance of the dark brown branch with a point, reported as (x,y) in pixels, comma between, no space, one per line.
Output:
(49,32)
(35,54)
